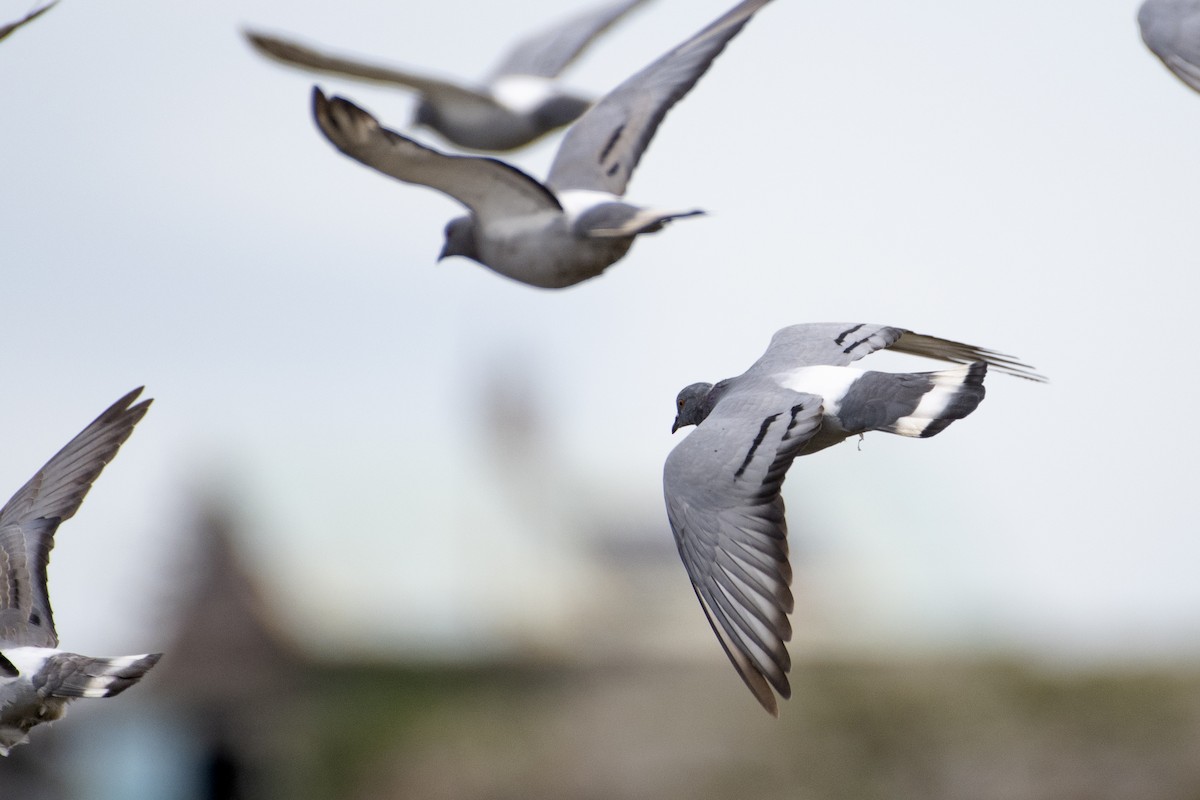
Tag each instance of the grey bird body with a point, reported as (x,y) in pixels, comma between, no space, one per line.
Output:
(1171,29)
(722,483)
(518,103)
(37,679)
(529,249)
(573,226)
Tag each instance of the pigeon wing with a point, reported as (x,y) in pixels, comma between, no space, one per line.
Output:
(1172,32)
(841,343)
(28,521)
(1187,71)
(297,55)
(489,187)
(722,489)
(7,29)
(548,52)
(602,148)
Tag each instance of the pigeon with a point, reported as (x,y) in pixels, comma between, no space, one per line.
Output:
(518,103)
(37,680)
(8,28)
(1171,29)
(722,483)
(573,226)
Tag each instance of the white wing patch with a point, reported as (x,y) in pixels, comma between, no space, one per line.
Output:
(827,382)
(523,93)
(575,202)
(28,660)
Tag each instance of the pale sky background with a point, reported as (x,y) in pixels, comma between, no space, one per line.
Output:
(1019,175)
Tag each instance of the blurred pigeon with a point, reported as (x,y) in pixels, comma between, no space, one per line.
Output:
(518,103)
(37,680)
(5,30)
(572,227)
(1171,29)
(722,483)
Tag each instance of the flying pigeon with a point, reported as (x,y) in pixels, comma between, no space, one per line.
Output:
(1171,29)
(37,680)
(8,28)
(722,483)
(518,103)
(574,225)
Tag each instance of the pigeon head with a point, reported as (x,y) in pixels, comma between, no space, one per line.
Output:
(560,110)
(694,403)
(460,239)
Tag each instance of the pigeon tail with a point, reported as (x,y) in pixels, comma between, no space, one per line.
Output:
(952,394)
(617,220)
(71,675)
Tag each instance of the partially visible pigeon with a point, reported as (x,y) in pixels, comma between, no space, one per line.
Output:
(37,680)
(572,227)
(1171,29)
(518,103)
(5,30)
(722,483)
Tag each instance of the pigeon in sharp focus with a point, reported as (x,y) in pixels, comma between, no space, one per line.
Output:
(1171,29)
(518,103)
(37,680)
(722,483)
(5,30)
(572,227)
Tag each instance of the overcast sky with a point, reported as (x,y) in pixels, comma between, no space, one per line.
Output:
(1017,175)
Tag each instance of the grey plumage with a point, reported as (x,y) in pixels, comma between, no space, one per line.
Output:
(509,110)
(574,225)
(722,483)
(36,679)
(1171,29)
(8,28)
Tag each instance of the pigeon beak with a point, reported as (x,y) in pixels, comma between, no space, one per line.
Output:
(442,256)
(675,425)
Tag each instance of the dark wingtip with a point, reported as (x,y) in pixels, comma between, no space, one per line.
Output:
(270,46)
(132,674)
(124,406)
(768,701)
(320,109)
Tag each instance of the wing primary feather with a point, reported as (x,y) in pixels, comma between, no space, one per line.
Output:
(753,679)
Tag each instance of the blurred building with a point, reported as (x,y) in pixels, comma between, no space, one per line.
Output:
(231,681)
(620,708)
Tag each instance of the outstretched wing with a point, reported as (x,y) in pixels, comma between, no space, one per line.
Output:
(5,30)
(721,486)
(298,55)
(841,343)
(548,52)
(28,521)
(600,151)
(1171,29)
(487,186)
